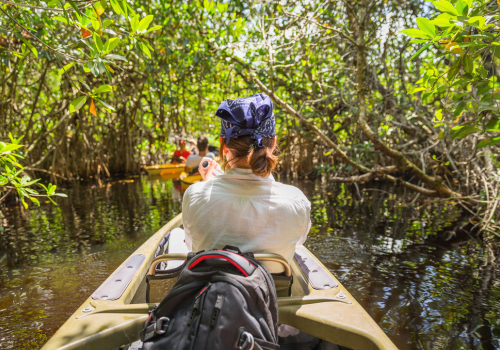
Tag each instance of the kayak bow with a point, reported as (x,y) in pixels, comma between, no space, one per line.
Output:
(187,181)
(319,305)
(167,170)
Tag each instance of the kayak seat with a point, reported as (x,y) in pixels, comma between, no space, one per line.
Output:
(162,274)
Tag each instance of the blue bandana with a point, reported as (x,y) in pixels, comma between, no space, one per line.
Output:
(251,115)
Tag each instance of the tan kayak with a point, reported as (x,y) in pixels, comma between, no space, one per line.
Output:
(187,181)
(166,170)
(319,305)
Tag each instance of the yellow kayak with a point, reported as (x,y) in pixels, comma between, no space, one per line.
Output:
(187,181)
(319,304)
(166,170)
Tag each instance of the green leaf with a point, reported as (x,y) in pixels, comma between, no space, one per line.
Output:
(60,195)
(145,49)
(445,6)
(425,25)
(468,64)
(144,23)
(477,21)
(444,20)
(116,7)
(414,91)
(10,147)
(123,6)
(116,57)
(483,143)
(493,125)
(85,85)
(96,24)
(472,44)
(439,114)
(32,183)
(61,19)
(475,106)
(419,51)
(147,44)
(52,189)
(29,190)
(482,72)
(66,68)
(130,9)
(451,74)
(458,96)
(110,45)
(77,103)
(418,41)
(94,68)
(496,52)
(103,88)
(31,47)
(415,33)
(462,8)
(100,67)
(73,5)
(495,141)
(134,23)
(98,42)
(106,104)
(465,131)
(152,29)
(459,109)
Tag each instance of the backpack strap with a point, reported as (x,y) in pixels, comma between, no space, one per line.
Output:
(234,249)
(239,261)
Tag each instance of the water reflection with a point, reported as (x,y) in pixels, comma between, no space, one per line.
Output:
(412,266)
(408,262)
(53,258)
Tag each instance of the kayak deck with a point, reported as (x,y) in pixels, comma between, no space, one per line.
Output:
(319,306)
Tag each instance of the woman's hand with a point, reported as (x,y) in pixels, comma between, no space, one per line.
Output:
(206,173)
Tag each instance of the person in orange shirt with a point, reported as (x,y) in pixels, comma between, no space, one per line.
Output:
(181,154)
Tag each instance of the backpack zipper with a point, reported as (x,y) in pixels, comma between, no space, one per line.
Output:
(217,308)
(196,305)
(204,290)
(215,317)
(195,318)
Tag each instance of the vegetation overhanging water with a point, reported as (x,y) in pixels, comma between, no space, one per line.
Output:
(407,262)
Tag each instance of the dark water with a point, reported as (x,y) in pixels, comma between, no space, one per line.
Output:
(425,281)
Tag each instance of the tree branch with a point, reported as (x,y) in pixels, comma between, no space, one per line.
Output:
(308,123)
(431,181)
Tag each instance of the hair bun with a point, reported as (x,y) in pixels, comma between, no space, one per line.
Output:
(262,160)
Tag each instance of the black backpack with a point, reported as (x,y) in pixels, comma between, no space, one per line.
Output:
(222,300)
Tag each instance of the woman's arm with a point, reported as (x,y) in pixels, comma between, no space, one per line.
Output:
(307,222)
(185,219)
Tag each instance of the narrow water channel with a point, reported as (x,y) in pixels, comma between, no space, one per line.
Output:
(422,279)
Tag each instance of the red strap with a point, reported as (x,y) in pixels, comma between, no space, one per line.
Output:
(217,256)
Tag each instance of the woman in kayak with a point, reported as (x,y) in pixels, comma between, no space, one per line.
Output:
(246,207)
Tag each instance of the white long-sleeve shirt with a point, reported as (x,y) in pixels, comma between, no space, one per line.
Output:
(241,209)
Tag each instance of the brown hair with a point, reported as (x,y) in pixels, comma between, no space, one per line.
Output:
(262,161)
(202,143)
